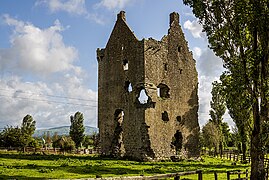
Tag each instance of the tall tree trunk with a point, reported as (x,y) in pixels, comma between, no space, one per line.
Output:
(221,148)
(257,158)
(257,155)
(244,150)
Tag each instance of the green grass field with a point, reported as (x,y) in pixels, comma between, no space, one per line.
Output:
(29,166)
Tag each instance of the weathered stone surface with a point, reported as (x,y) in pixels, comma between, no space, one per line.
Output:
(165,71)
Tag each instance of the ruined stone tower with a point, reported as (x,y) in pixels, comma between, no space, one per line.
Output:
(147,95)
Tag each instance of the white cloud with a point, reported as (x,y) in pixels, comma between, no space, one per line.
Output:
(36,54)
(197,52)
(71,6)
(210,68)
(114,4)
(35,50)
(50,104)
(209,64)
(204,94)
(195,28)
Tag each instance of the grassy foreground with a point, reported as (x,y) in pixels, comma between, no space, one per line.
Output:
(29,166)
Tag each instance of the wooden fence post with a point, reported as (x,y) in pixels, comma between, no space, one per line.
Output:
(267,173)
(238,174)
(200,175)
(228,175)
(216,175)
(246,174)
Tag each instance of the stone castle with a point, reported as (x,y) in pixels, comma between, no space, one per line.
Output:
(147,95)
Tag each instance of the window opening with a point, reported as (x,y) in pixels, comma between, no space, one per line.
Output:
(178,119)
(117,146)
(179,49)
(128,86)
(158,92)
(177,141)
(163,91)
(125,65)
(118,115)
(143,97)
(165,116)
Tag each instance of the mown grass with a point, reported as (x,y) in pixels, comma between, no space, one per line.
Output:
(33,166)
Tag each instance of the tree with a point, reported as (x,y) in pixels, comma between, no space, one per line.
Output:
(11,136)
(226,133)
(65,144)
(55,137)
(77,128)
(88,141)
(211,135)
(217,110)
(238,32)
(27,130)
(238,104)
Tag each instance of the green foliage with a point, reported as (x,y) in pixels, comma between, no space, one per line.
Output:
(65,144)
(227,136)
(88,141)
(11,136)
(34,143)
(18,137)
(27,130)
(237,31)
(217,111)
(239,105)
(211,135)
(217,104)
(77,128)
(28,125)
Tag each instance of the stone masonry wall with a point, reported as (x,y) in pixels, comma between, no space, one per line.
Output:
(166,122)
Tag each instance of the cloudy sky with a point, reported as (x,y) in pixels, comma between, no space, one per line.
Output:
(48,65)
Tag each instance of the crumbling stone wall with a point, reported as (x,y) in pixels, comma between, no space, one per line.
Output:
(165,122)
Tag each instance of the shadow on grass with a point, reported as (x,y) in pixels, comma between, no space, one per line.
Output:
(49,157)
(19,177)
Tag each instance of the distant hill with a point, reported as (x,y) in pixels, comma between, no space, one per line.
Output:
(63,130)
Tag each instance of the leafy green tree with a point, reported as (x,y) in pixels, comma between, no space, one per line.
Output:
(27,130)
(88,141)
(238,104)
(66,144)
(55,137)
(11,136)
(96,140)
(225,129)
(77,129)
(237,31)
(218,109)
(35,143)
(211,136)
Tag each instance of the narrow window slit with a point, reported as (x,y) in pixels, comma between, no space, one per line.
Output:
(125,65)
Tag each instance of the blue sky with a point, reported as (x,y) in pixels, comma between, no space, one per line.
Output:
(48,65)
